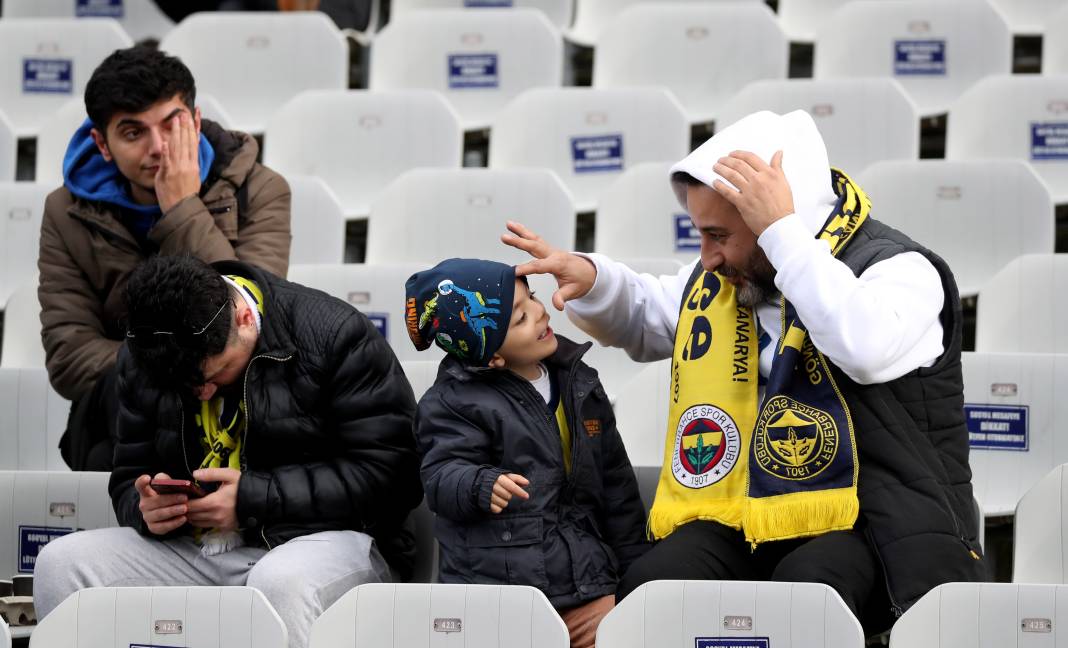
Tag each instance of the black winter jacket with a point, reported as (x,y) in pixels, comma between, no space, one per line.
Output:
(328,443)
(576,535)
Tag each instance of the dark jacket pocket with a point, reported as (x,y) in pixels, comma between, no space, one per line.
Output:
(508,551)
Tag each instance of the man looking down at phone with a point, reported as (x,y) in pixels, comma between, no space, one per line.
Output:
(287,404)
(816,430)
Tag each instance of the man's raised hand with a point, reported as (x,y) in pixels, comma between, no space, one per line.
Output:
(575,275)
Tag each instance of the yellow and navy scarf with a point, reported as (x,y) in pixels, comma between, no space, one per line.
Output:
(783,468)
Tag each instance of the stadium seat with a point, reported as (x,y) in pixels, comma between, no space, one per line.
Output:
(45,62)
(1040,544)
(983,615)
(731,614)
(377,291)
(1020,116)
(936,201)
(21,210)
(1016,414)
(1055,43)
(1019,311)
(801,19)
(5,635)
(703,53)
(557,11)
(641,407)
(479,60)
(141,19)
(589,136)
(37,507)
(1028,17)
(863,121)
(57,129)
(358,141)
(421,374)
(9,149)
(384,615)
(36,417)
(316,221)
(254,62)
(935,49)
(648,477)
(22,347)
(148,617)
(428,215)
(426,545)
(638,215)
(592,16)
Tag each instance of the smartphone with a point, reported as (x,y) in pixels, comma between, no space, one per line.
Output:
(178,487)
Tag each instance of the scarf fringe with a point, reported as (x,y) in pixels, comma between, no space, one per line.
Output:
(818,512)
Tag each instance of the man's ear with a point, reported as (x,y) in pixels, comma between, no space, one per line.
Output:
(244,315)
(196,118)
(101,143)
(497,362)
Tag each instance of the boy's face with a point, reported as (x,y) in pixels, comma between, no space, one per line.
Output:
(530,339)
(135,140)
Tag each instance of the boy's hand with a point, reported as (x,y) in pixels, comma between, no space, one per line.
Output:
(582,621)
(162,513)
(763,195)
(504,488)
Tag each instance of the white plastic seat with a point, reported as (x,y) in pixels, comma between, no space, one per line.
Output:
(22,346)
(428,215)
(205,617)
(479,60)
(1040,544)
(383,615)
(36,507)
(713,613)
(254,62)
(35,419)
(1029,17)
(862,121)
(421,374)
(589,136)
(936,201)
(1019,116)
(377,291)
(359,141)
(557,11)
(21,210)
(9,149)
(5,635)
(801,19)
(592,16)
(1015,411)
(140,19)
(641,407)
(45,62)
(317,222)
(935,49)
(425,569)
(1019,310)
(1055,43)
(674,45)
(984,615)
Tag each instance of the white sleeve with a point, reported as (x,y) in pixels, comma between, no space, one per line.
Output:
(636,312)
(876,327)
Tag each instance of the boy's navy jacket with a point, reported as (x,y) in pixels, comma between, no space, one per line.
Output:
(577,534)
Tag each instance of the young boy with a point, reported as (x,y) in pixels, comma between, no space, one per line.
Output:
(521,460)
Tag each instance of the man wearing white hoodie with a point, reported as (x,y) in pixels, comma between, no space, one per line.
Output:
(816,429)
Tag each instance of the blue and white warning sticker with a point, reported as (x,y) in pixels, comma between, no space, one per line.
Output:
(920,57)
(473,71)
(997,427)
(48,75)
(32,539)
(597,153)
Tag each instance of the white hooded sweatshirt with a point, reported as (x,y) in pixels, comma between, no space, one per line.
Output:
(876,327)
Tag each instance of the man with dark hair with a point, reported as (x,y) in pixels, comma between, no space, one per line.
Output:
(143,175)
(288,407)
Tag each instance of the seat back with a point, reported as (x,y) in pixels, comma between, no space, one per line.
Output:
(22,346)
(671,45)
(358,141)
(1024,117)
(983,615)
(862,121)
(1016,313)
(421,374)
(589,136)
(35,419)
(140,19)
(479,60)
(935,49)
(46,62)
(592,16)
(254,62)
(428,215)
(21,211)
(9,149)
(317,222)
(385,615)
(1040,542)
(934,201)
(731,613)
(1015,413)
(641,407)
(208,617)
(37,507)
(557,11)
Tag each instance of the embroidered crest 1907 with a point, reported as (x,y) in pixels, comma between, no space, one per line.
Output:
(707,445)
(793,440)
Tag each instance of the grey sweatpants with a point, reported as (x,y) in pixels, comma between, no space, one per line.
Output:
(300,578)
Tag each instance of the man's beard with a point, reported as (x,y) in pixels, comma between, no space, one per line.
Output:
(758,279)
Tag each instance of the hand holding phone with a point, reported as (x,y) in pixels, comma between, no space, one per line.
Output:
(178,487)
(162,513)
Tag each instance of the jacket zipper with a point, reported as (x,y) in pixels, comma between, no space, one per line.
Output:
(895,609)
(248,424)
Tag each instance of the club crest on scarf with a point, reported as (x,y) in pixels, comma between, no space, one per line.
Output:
(793,440)
(707,445)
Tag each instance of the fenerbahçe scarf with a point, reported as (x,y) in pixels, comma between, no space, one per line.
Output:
(783,468)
